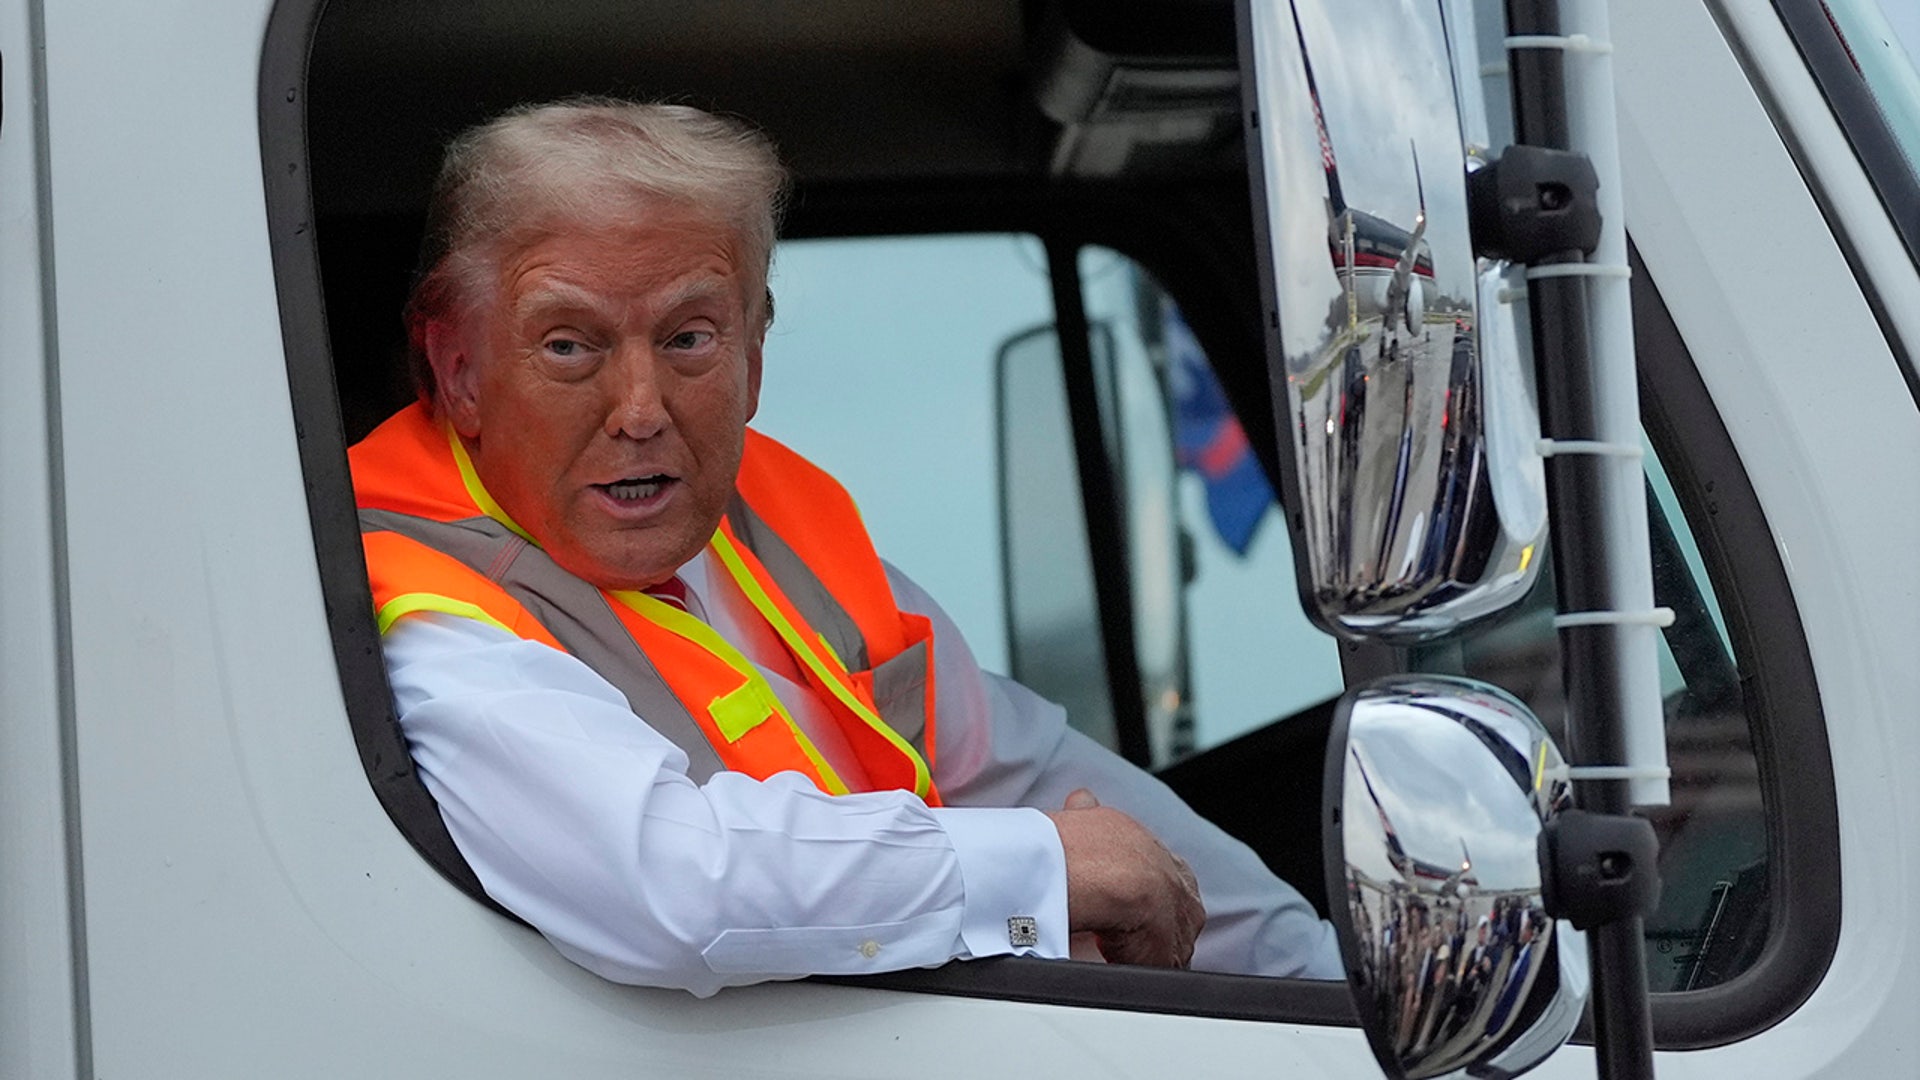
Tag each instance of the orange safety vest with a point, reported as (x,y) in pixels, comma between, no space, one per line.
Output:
(792,541)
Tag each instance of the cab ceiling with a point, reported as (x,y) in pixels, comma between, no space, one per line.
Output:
(851,90)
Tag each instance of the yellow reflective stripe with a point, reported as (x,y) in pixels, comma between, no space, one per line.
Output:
(732,712)
(831,651)
(757,595)
(478,491)
(408,603)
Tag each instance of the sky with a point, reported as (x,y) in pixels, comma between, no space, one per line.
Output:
(1387,91)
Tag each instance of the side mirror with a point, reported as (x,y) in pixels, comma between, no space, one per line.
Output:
(1053,602)
(1438,790)
(1051,596)
(1397,370)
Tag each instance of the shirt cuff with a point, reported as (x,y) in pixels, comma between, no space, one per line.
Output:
(1014,874)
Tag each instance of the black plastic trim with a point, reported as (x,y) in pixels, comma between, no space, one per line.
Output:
(1135,989)
(1779,688)
(1100,503)
(1852,102)
(322,443)
(1891,172)
(1153,29)
(1333,848)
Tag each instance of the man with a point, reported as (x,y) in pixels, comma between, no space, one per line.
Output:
(676,712)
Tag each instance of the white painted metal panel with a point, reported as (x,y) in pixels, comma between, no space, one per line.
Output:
(1830,438)
(38,1036)
(250,909)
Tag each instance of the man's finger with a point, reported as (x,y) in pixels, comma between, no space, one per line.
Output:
(1146,948)
(1081,799)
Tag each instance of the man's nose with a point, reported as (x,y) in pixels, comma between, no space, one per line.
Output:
(638,407)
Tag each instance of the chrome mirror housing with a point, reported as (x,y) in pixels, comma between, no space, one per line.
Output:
(1397,362)
(1438,789)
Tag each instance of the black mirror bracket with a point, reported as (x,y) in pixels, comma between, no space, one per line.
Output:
(1534,201)
(1597,869)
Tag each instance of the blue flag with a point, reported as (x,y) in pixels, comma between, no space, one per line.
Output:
(1209,441)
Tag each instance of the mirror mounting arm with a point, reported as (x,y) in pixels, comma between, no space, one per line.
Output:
(1597,869)
(1603,668)
(1534,202)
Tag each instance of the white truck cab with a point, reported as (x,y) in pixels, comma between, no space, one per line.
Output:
(1021,228)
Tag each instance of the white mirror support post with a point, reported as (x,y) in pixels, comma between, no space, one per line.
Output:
(1590,419)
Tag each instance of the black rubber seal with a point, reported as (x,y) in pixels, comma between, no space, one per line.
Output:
(1782,697)
(323,452)
(1134,989)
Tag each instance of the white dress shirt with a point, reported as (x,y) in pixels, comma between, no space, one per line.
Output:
(580,818)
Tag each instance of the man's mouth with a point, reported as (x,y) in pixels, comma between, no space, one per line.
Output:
(637,489)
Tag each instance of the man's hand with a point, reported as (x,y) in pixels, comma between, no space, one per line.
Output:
(1139,899)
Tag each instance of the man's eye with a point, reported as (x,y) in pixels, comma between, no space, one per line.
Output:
(565,348)
(689,339)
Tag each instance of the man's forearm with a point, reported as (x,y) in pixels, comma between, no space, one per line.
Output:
(577,817)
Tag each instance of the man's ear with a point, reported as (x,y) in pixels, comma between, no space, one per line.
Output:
(456,377)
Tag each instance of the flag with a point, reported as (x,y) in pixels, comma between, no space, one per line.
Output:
(1209,441)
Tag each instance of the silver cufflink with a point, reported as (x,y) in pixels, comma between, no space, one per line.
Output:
(1022,930)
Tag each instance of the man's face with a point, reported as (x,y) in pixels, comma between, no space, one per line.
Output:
(604,391)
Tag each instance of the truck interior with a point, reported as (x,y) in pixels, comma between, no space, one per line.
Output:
(1079,124)
(1115,124)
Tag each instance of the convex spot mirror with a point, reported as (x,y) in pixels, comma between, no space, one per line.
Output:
(1438,789)
(1408,429)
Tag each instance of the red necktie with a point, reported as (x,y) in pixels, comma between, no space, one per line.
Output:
(672,591)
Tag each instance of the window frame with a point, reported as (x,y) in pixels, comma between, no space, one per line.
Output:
(1108,542)
(1780,693)
(321,441)
(1182,228)
(1893,176)
(1851,99)
(1180,239)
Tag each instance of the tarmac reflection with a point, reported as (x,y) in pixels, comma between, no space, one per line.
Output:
(1447,785)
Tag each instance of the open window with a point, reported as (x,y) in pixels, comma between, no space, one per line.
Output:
(1077,225)
(949,159)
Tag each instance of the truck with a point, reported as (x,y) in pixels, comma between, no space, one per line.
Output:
(1022,316)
